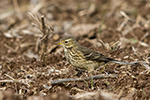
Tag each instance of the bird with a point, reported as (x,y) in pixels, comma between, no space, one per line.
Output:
(84,58)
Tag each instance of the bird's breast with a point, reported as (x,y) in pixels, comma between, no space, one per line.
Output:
(76,59)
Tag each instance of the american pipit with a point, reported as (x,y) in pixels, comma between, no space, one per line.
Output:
(82,57)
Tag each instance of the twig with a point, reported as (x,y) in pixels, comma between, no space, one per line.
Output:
(82,79)
(144,44)
(122,25)
(127,18)
(47,87)
(17,9)
(6,14)
(26,44)
(8,81)
(103,44)
(125,15)
(10,77)
(11,49)
(35,25)
(38,7)
(134,50)
(147,60)
(14,80)
(35,18)
(44,38)
(43,25)
(145,35)
(146,66)
(37,45)
(45,29)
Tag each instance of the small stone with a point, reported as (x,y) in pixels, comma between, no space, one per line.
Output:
(56,37)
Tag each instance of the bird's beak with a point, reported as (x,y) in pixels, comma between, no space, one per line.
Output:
(57,43)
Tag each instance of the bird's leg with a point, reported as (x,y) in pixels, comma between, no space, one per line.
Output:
(104,69)
(92,82)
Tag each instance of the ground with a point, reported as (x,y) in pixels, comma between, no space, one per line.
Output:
(30,62)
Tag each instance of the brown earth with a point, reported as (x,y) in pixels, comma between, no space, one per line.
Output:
(27,71)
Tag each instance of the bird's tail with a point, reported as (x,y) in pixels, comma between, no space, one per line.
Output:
(121,62)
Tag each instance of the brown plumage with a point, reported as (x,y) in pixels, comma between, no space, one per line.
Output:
(82,57)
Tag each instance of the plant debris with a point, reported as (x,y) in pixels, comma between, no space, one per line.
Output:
(33,68)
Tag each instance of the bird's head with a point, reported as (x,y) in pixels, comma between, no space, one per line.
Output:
(68,42)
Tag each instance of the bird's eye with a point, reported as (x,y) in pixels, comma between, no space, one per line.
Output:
(66,41)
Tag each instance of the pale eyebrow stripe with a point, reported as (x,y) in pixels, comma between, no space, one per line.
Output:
(69,39)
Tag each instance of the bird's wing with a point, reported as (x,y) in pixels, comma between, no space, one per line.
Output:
(92,55)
